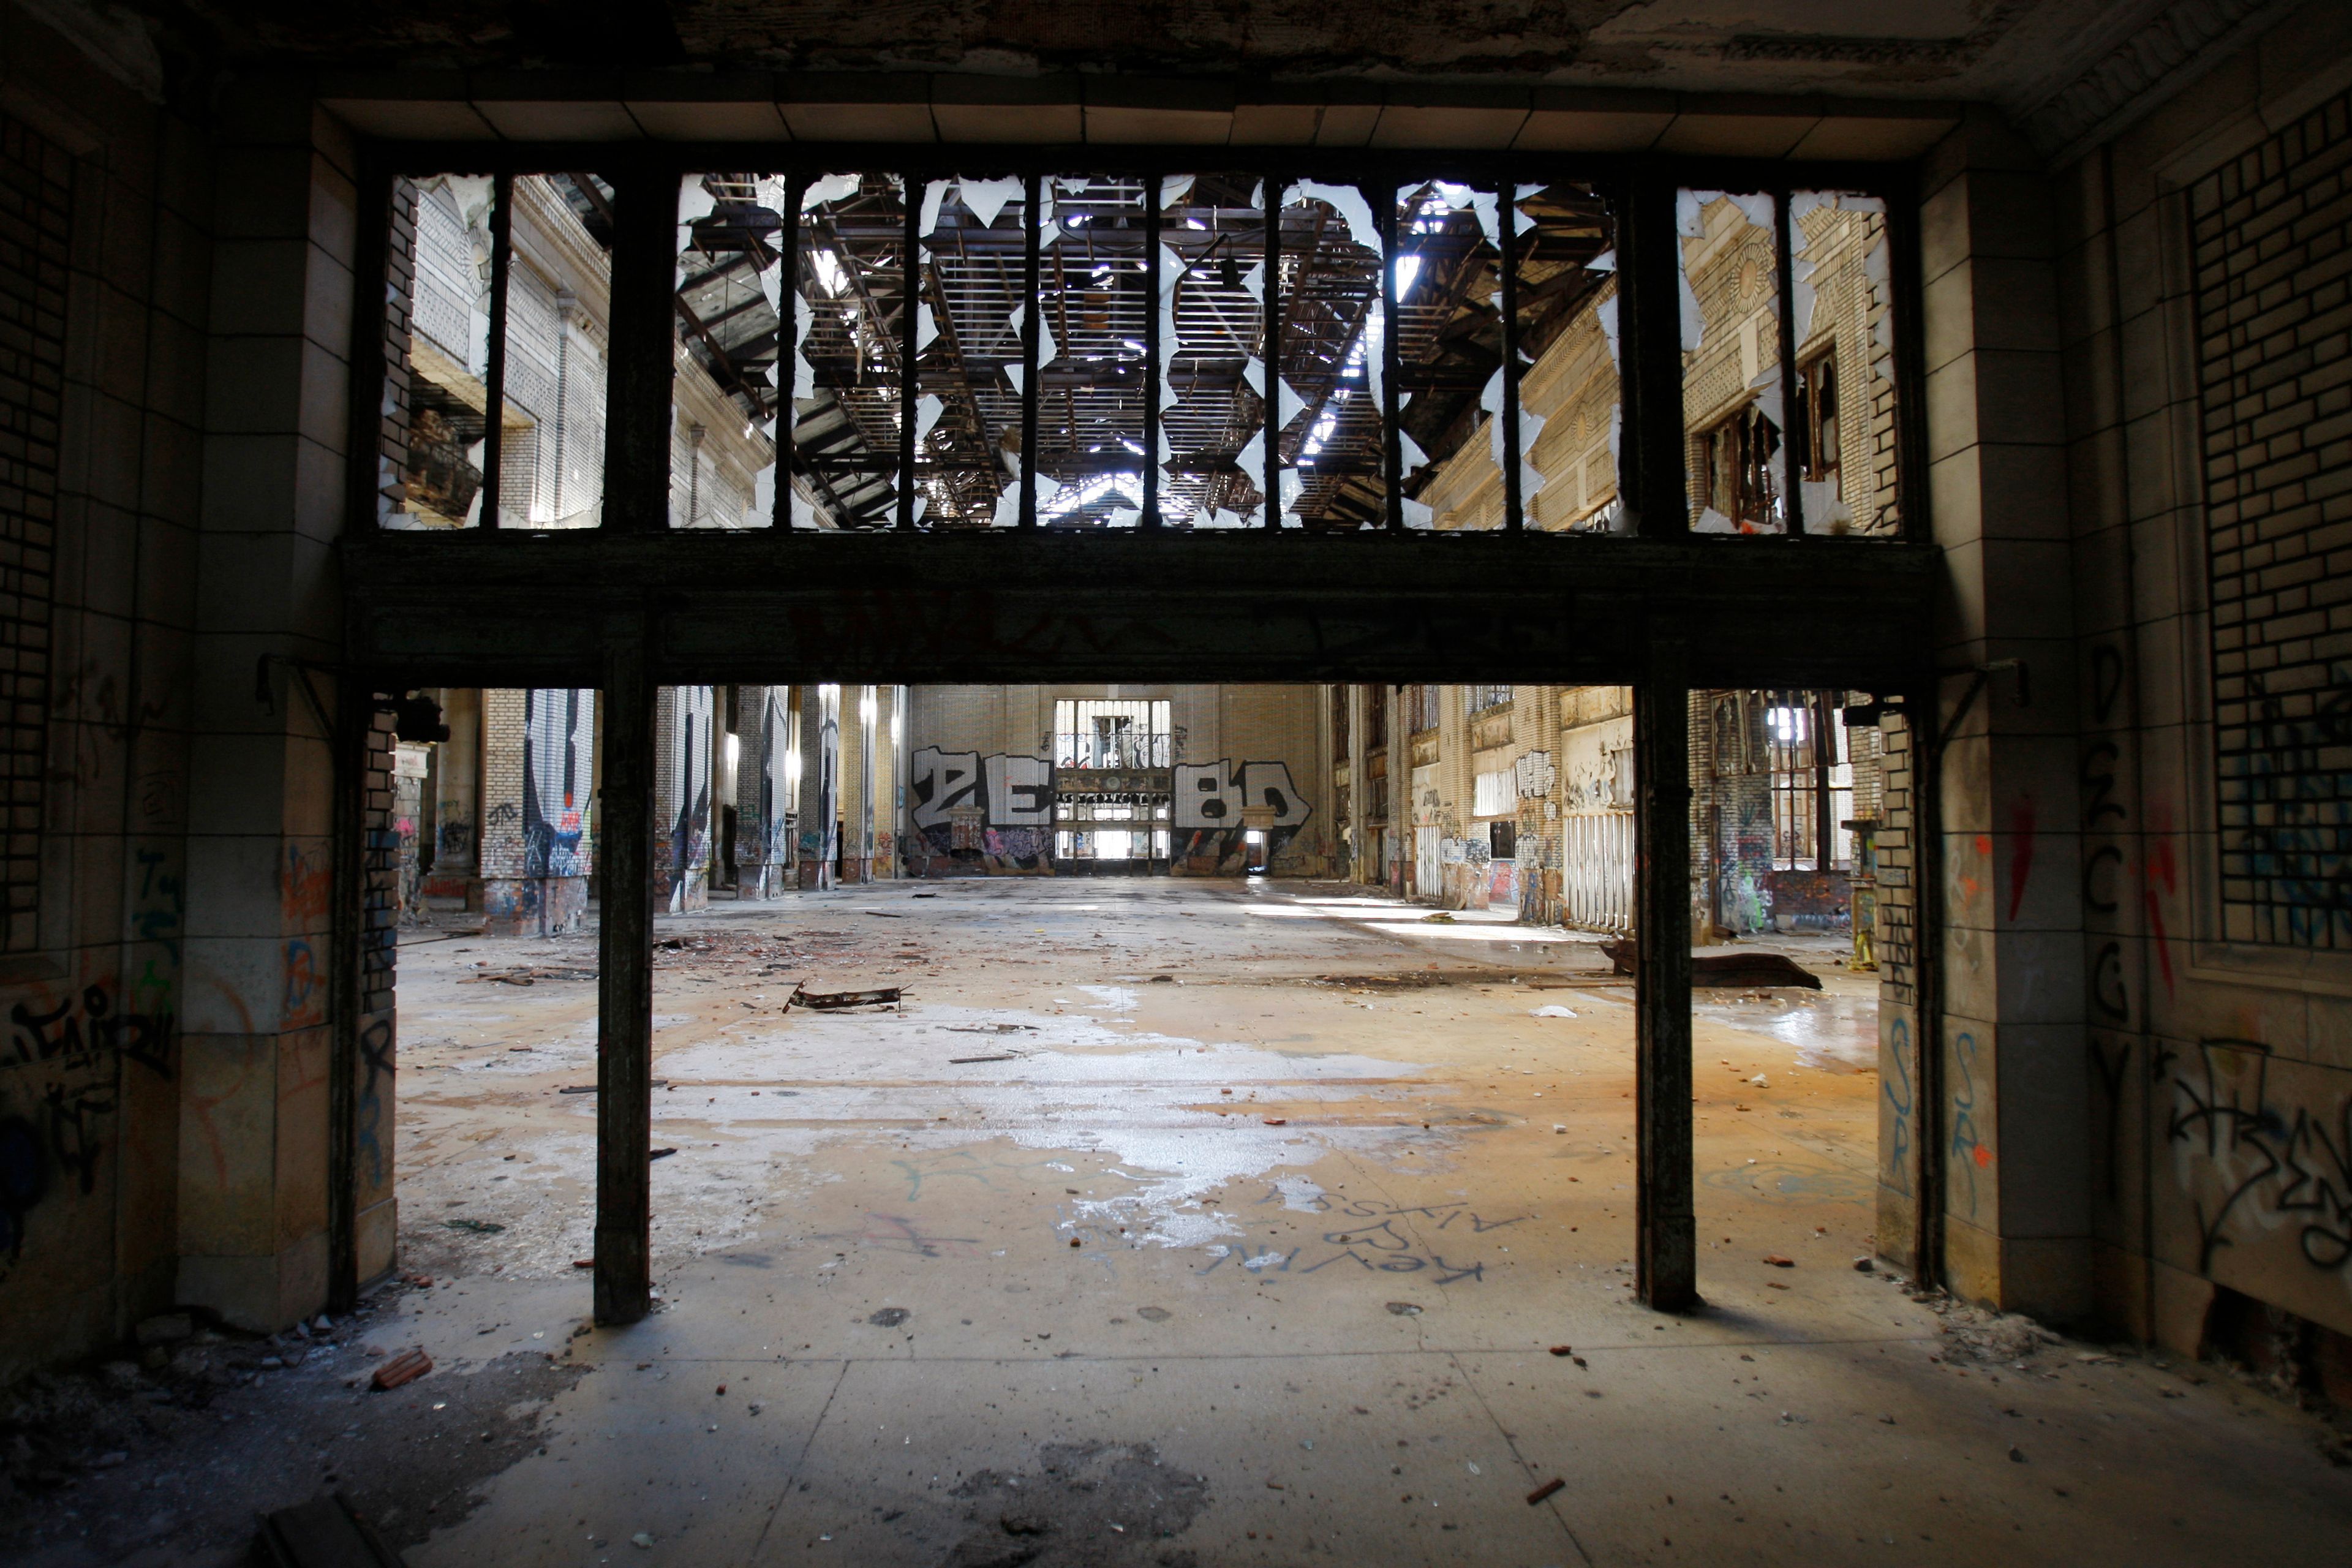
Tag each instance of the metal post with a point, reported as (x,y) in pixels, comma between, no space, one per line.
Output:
(1514,503)
(624,984)
(1032,265)
(1152,412)
(501,271)
(1665,1245)
(1391,398)
(788,328)
(644,346)
(1272,412)
(1649,336)
(911,304)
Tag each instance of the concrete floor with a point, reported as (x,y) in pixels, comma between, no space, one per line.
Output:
(1182,1223)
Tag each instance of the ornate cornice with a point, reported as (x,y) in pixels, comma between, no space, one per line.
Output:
(2130,78)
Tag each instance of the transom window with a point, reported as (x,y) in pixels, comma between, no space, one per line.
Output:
(1194,345)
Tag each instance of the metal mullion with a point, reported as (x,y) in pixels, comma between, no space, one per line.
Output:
(1031,389)
(788,328)
(1271,414)
(1650,341)
(909,301)
(1507,224)
(501,267)
(1392,362)
(1152,409)
(1796,436)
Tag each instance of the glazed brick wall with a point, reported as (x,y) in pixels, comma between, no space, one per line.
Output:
(36,211)
(2275,360)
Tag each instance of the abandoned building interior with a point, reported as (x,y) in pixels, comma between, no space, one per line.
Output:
(1546,784)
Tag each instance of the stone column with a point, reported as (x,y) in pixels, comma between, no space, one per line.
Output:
(2007,1099)
(682,797)
(254,1131)
(820,747)
(537,751)
(456,784)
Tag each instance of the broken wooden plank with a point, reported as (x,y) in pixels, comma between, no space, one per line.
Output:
(1728,970)
(833,1000)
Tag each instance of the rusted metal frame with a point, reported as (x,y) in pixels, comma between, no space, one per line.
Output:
(1311,410)
(718,351)
(788,348)
(586,184)
(625,989)
(1152,366)
(895,343)
(495,394)
(1665,1239)
(960,369)
(1796,437)
(1392,405)
(1270,414)
(910,283)
(1032,314)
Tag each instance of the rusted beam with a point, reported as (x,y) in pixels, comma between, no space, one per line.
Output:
(1665,1270)
(625,980)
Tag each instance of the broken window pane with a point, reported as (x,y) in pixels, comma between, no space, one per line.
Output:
(1334,473)
(1091,352)
(1737,463)
(1563,256)
(728,317)
(1211,340)
(967,317)
(1449,354)
(846,377)
(436,352)
(558,313)
(1844,399)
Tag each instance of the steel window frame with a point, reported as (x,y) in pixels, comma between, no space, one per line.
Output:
(1640,191)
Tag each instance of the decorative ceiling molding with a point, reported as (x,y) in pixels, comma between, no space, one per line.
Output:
(1864,49)
(2147,67)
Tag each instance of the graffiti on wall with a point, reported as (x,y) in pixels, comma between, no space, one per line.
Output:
(771,835)
(689,830)
(60,1088)
(2254,1165)
(1010,791)
(1008,799)
(559,737)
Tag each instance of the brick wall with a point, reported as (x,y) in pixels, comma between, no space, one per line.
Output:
(2274,359)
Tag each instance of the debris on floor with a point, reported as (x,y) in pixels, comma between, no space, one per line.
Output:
(404,1368)
(833,1000)
(1727,971)
(325,1533)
